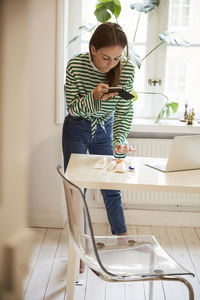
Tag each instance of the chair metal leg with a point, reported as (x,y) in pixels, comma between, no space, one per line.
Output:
(72,269)
(171,278)
(151,286)
(184,281)
(151,283)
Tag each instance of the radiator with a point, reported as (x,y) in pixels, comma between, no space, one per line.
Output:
(145,199)
(150,147)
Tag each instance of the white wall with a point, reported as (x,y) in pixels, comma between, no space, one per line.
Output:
(14,163)
(46,198)
(30,142)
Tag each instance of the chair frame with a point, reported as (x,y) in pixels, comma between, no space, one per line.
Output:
(111,276)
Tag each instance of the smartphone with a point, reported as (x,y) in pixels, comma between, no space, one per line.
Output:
(114,89)
(122,93)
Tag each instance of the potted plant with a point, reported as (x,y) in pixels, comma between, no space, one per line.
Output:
(105,9)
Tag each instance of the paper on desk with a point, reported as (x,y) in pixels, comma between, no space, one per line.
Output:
(120,167)
(101,163)
(115,165)
(112,164)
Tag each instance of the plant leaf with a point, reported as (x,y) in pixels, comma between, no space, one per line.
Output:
(134,93)
(102,15)
(104,7)
(146,5)
(160,115)
(174,106)
(74,39)
(171,39)
(87,29)
(168,109)
(84,28)
(135,58)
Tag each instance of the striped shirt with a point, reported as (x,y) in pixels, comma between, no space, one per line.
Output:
(81,78)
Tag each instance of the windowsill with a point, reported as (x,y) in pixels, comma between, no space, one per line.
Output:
(146,128)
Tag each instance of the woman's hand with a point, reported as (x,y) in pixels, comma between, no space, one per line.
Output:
(124,149)
(100,90)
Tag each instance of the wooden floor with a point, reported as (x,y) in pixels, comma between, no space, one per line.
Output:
(48,266)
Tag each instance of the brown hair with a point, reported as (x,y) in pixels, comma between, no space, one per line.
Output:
(106,35)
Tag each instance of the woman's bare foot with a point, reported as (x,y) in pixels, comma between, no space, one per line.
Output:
(82,267)
(122,241)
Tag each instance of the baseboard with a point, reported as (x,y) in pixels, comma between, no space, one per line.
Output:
(47,219)
(133,217)
(156,218)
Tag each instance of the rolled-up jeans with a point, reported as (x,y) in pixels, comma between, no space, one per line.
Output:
(77,138)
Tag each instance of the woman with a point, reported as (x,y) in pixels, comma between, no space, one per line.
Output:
(98,121)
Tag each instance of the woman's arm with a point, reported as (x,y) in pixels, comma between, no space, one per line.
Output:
(79,104)
(84,104)
(122,122)
(123,116)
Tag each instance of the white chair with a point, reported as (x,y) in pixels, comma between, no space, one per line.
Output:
(118,258)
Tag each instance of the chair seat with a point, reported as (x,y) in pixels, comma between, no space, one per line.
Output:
(134,257)
(117,258)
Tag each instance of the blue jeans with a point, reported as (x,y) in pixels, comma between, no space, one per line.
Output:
(77,139)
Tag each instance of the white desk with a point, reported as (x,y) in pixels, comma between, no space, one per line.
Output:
(81,172)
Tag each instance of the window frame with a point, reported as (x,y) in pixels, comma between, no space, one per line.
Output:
(156,24)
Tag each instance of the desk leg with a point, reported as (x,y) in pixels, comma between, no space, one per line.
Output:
(72,269)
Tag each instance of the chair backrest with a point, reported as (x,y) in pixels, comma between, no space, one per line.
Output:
(80,225)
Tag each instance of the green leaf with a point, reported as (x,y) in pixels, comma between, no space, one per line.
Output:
(133,92)
(146,5)
(168,109)
(104,7)
(136,59)
(74,39)
(87,29)
(102,15)
(82,28)
(174,106)
(171,39)
(160,115)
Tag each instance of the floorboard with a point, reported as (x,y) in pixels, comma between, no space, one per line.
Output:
(56,284)
(41,274)
(48,267)
(39,239)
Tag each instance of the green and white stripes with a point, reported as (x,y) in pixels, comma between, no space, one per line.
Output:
(81,79)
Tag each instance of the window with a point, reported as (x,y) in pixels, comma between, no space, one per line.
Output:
(182,64)
(176,67)
(176,75)
(179,14)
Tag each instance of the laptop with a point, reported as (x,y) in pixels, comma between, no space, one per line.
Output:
(184,154)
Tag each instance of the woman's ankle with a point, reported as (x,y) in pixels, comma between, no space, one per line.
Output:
(82,267)
(124,233)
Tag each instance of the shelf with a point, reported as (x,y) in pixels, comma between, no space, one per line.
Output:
(147,128)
